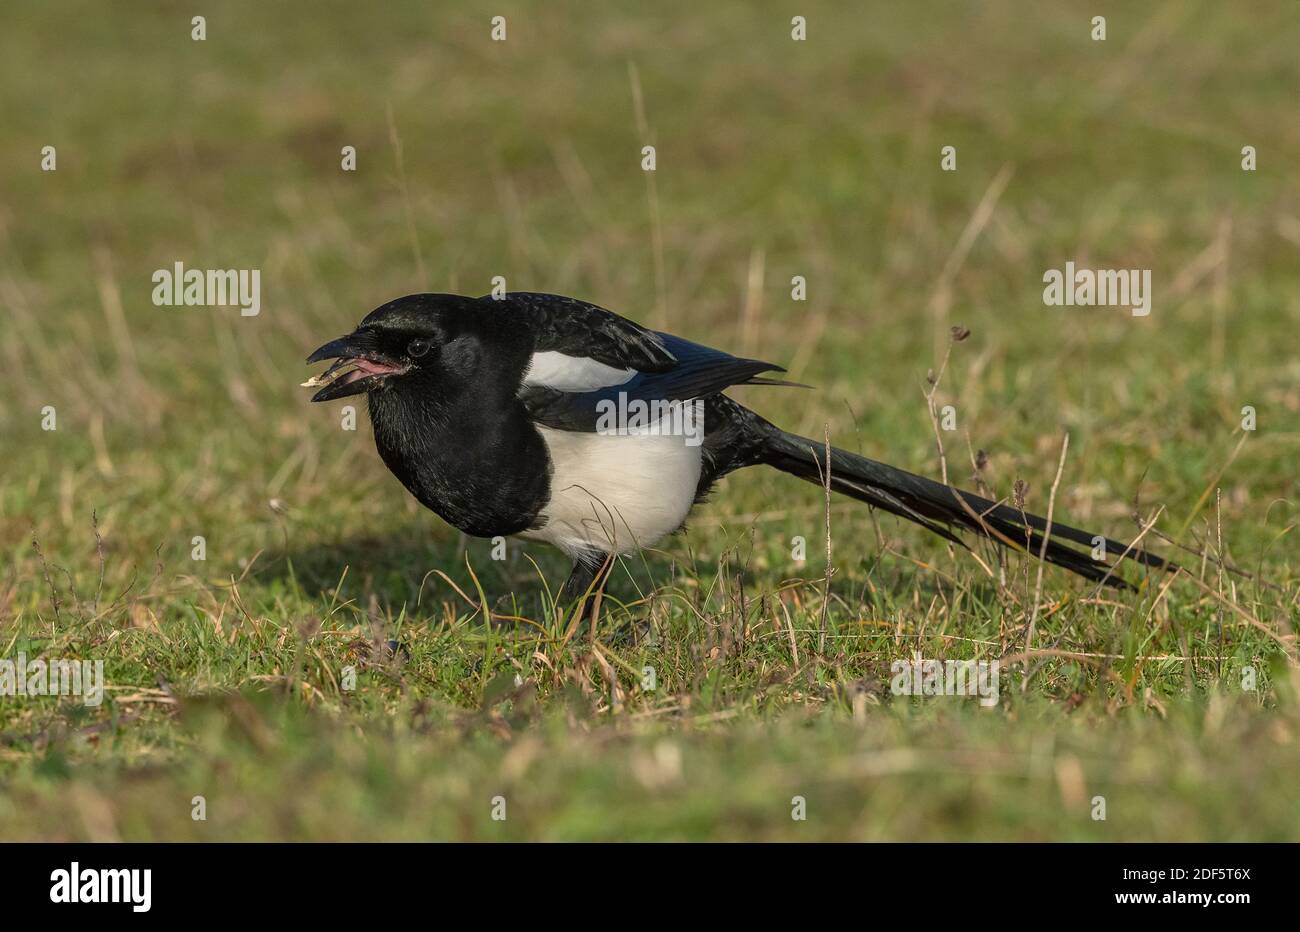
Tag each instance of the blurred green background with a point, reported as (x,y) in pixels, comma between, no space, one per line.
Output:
(522,159)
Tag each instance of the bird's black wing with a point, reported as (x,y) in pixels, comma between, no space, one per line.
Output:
(697,372)
(576,328)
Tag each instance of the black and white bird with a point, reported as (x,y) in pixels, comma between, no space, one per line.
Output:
(552,419)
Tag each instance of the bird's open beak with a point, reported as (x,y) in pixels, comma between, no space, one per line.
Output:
(359,367)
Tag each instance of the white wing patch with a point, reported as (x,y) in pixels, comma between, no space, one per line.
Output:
(615,494)
(573,373)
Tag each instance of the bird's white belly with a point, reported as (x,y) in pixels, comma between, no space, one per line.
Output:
(616,493)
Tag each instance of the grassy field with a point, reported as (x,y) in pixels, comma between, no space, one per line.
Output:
(723,680)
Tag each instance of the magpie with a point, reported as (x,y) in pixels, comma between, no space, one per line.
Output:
(551,419)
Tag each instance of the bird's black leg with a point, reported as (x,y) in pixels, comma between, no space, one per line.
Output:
(590,572)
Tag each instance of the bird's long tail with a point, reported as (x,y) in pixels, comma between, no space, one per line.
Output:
(943,509)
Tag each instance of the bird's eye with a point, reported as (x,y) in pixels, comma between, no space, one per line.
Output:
(417,348)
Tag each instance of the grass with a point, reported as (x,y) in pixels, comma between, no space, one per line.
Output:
(775,158)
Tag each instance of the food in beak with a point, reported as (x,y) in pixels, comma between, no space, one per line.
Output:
(346,371)
(324,377)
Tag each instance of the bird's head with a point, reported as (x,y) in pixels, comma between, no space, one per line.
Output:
(411,340)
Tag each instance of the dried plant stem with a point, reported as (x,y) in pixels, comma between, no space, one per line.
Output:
(826,585)
(1042,553)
